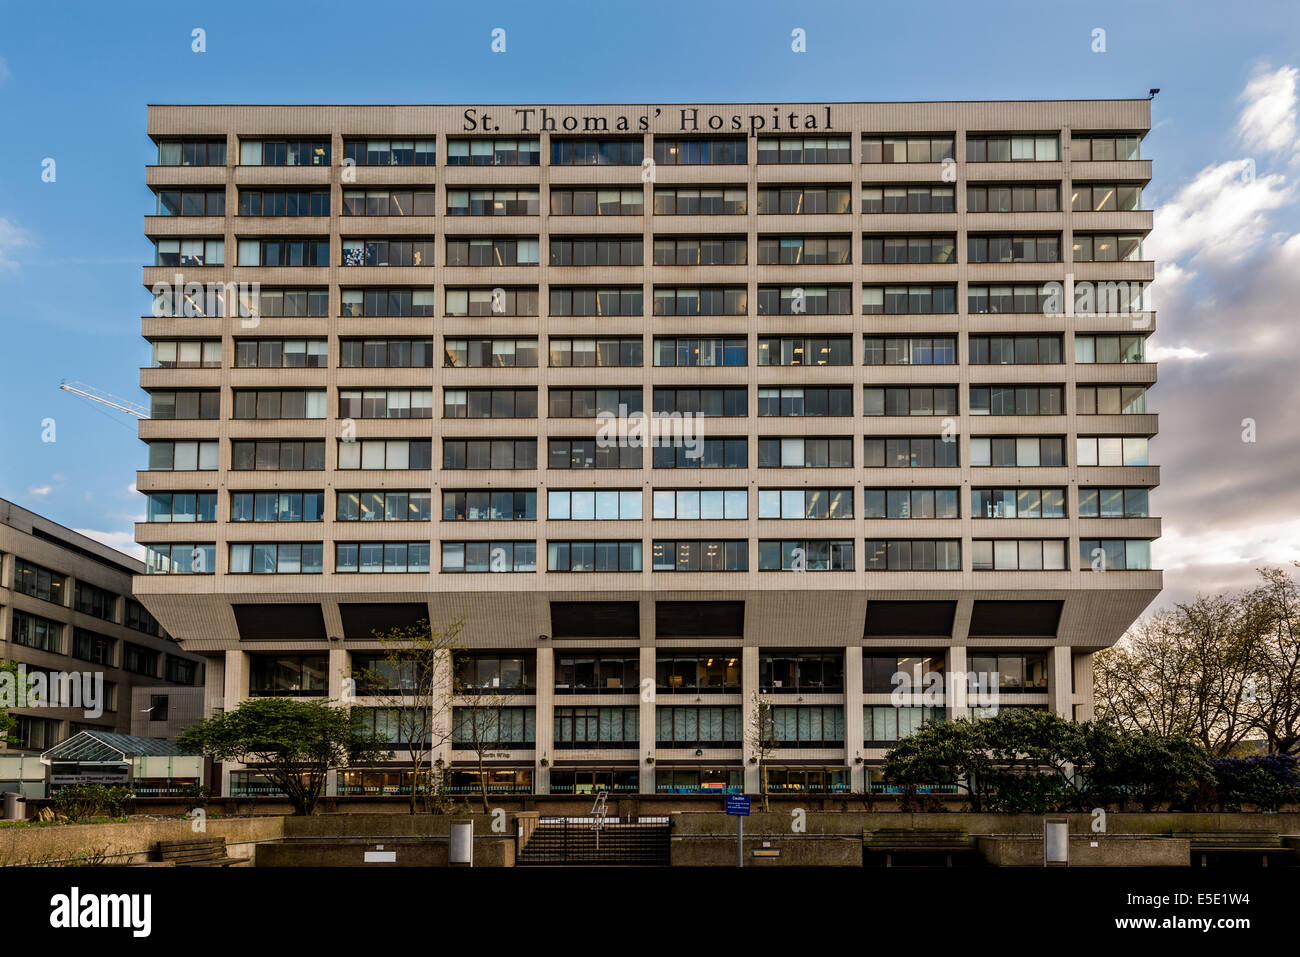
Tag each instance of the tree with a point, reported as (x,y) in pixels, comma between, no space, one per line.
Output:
(477,718)
(1148,768)
(1264,780)
(413,688)
(1277,688)
(296,743)
(7,721)
(944,752)
(760,737)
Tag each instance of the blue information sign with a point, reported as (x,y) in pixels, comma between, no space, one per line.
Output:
(738,805)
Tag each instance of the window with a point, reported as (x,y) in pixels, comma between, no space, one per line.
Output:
(597,673)
(905,300)
(1022,451)
(808,726)
(489,302)
(909,248)
(1114,503)
(806,555)
(164,559)
(1015,350)
(97,602)
(388,454)
(1115,554)
(597,152)
(803,149)
(882,674)
(139,619)
(489,453)
(502,251)
(1014,198)
(288,676)
(592,506)
(281,353)
(36,734)
(805,503)
(801,672)
(191,404)
(1017,503)
(697,673)
(389,252)
(913,350)
(381,557)
(386,353)
(896,555)
(810,300)
(277,506)
(598,202)
(690,201)
(667,453)
(93,647)
(383,506)
(695,504)
(908,199)
(605,556)
(1030,299)
(1110,399)
(805,351)
(175,202)
(189,252)
(697,251)
(910,503)
(32,631)
(907,149)
(1106,197)
(592,403)
(701,556)
(802,250)
(596,727)
(689,352)
(139,660)
(488,557)
(292,202)
(158,707)
(884,725)
(391,152)
(390,202)
(796,401)
(590,353)
(1111,450)
(275,558)
(494,202)
(611,251)
(489,505)
(1016,400)
(279,404)
(1015,673)
(697,152)
(494,672)
(915,400)
(1107,247)
(805,453)
(494,727)
(187,354)
(1018,555)
(182,456)
(1105,146)
(700,301)
(698,727)
(378,301)
(1042,147)
(284,152)
(1013,248)
(493,152)
(588,454)
(702,402)
(800,200)
(385,403)
(192,153)
(915,452)
(272,455)
(1090,349)
(287,302)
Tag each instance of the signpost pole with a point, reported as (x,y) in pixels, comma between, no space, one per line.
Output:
(740,841)
(737,805)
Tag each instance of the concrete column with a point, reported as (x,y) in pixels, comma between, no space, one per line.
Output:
(646,720)
(1060,699)
(441,697)
(955,687)
(854,734)
(545,719)
(1084,695)
(748,712)
(234,691)
(340,669)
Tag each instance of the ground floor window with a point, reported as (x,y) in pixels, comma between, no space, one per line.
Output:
(699,781)
(591,780)
(824,780)
(499,781)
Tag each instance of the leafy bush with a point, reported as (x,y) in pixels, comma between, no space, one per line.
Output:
(77,802)
(1264,780)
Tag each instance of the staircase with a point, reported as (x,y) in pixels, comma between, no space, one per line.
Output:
(590,841)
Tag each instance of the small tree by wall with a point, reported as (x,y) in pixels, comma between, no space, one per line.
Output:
(760,736)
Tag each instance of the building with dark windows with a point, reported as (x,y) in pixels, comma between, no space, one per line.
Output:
(69,619)
(676,406)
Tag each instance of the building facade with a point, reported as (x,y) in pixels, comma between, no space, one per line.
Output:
(677,407)
(69,619)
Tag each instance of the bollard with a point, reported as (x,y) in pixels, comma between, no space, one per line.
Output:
(15,806)
(460,848)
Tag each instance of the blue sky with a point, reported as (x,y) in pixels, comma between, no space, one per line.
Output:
(75,80)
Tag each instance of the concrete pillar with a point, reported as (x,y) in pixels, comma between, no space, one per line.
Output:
(545,719)
(955,687)
(441,697)
(340,670)
(646,720)
(1084,695)
(748,712)
(234,691)
(854,733)
(1059,696)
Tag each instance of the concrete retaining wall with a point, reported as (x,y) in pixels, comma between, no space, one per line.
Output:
(130,842)
(1100,851)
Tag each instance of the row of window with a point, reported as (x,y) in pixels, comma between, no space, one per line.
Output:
(43,583)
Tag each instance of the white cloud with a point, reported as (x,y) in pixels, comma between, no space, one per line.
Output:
(122,541)
(40,491)
(1163,353)
(132,490)
(1221,215)
(1268,120)
(12,237)
(1257,545)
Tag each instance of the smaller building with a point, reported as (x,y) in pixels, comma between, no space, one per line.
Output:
(146,766)
(164,711)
